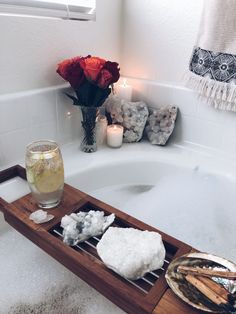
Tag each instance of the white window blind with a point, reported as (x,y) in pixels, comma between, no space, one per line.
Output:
(65,9)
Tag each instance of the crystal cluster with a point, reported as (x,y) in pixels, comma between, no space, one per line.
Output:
(83,225)
(160,124)
(131,252)
(131,115)
(40,216)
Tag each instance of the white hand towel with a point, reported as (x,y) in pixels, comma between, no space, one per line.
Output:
(213,62)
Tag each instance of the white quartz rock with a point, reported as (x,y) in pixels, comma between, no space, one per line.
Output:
(40,216)
(160,124)
(83,225)
(131,115)
(131,252)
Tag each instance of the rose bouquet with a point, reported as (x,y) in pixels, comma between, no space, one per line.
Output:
(92,79)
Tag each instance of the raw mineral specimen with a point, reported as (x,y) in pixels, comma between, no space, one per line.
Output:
(40,216)
(160,124)
(131,115)
(131,252)
(83,225)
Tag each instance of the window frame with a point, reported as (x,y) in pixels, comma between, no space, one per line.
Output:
(31,8)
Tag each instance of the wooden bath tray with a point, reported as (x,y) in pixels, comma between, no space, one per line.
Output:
(144,296)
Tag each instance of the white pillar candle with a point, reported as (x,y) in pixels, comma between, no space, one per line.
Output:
(124,91)
(115,135)
(101,129)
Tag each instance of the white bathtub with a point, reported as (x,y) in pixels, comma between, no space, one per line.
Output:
(186,193)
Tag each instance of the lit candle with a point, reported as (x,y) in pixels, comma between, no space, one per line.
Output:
(115,135)
(124,91)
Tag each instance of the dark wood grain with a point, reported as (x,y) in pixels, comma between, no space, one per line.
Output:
(171,304)
(144,296)
(12,172)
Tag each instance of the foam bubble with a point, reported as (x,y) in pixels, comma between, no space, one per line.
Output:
(36,283)
(195,207)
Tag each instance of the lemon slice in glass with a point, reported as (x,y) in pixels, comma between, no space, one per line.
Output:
(30,175)
(49,181)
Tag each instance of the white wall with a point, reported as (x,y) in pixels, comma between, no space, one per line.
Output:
(30,48)
(158,37)
(30,107)
(157,40)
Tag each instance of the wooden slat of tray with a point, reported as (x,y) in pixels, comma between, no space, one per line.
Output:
(171,304)
(134,297)
(12,172)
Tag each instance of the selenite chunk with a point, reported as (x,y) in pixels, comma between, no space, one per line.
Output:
(131,252)
(40,216)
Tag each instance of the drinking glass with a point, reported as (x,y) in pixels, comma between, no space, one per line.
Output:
(45,172)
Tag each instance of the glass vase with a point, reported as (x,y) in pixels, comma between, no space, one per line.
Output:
(88,136)
(45,173)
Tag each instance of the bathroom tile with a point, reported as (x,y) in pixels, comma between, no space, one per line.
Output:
(139,89)
(177,135)
(230,118)
(189,129)
(68,117)
(210,134)
(229,142)
(159,95)
(42,107)
(207,112)
(201,132)
(44,131)
(14,114)
(27,109)
(185,99)
(13,145)
(50,114)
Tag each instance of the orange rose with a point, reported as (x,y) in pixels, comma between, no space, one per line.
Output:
(92,67)
(72,71)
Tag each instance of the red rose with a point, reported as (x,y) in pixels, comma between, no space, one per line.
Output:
(92,67)
(90,78)
(108,75)
(104,79)
(72,71)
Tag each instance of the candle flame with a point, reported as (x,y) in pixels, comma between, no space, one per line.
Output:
(115,127)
